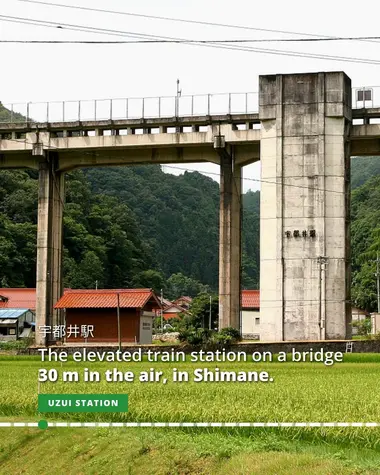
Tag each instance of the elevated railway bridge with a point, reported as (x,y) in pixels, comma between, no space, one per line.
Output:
(303,129)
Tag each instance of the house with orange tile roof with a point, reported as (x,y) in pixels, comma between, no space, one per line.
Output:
(184,301)
(173,311)
(18,298)
(98,309)
(250,314)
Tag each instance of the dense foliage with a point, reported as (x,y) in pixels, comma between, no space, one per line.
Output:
(125,226)
(365,239)
(362,169)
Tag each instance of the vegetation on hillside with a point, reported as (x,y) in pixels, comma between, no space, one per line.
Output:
(365,239)
(362,169)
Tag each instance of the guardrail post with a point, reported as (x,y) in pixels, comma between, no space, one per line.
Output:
(143,105)
(246,102)
(159,107)
(126,108)
(192,105)
(47,112)
(79,111)
(208,104)
(95,109)
(27,112)
(111,109)
(229,103)
(63,111)
(11,112)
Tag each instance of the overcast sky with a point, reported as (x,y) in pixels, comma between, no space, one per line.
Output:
(31,72)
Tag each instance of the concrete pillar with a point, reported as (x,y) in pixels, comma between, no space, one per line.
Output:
(229,242)
(304,241)
(49,244)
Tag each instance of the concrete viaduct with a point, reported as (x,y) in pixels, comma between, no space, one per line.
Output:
(304,137)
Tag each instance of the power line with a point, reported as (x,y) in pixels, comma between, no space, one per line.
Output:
(232,47)
(269,40)
(181,20)
(260,180)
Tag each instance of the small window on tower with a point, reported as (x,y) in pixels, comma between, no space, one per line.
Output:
(257,321)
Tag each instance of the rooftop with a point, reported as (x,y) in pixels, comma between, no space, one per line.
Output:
(185,298)
(106,298)
(250,298)
(12,313)
(18,298)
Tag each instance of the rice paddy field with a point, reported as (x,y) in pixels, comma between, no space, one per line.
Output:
(300,392)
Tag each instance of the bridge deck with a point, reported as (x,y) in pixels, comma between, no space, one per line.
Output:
(154,140)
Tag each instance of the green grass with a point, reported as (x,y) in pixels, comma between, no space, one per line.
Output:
(300,392)
(170,452)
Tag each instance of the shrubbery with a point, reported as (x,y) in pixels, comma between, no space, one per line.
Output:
(203,336)
(363,326)
(16,344)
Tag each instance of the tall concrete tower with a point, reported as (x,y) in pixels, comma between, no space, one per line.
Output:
(305,242)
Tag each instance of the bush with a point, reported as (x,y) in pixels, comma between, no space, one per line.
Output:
(363,326)
(16,344)
(376,336)
(204,336)
(195,336)
(231,334)
(220,340)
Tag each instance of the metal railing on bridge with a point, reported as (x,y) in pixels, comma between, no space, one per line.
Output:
(131,108)
(163,107)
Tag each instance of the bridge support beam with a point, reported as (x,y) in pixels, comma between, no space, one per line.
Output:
(229,241)
(304,243)
(49,244)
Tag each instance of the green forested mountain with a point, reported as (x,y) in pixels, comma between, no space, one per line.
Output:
(365,239)
(102,240)
(251,240)
(125,226)
(177,215)
(362,169)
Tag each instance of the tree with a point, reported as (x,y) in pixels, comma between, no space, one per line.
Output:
(200,311)
(179,284)
(365,242)
(86,274)
(150,279)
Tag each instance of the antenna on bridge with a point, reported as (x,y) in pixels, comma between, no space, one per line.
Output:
(179,92)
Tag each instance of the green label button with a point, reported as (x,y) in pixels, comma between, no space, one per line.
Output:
(82,402)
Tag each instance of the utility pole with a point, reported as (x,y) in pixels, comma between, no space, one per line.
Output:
(322,261)
(378,280)
(179,92)
(162,318)
(118,321)
(209,318)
